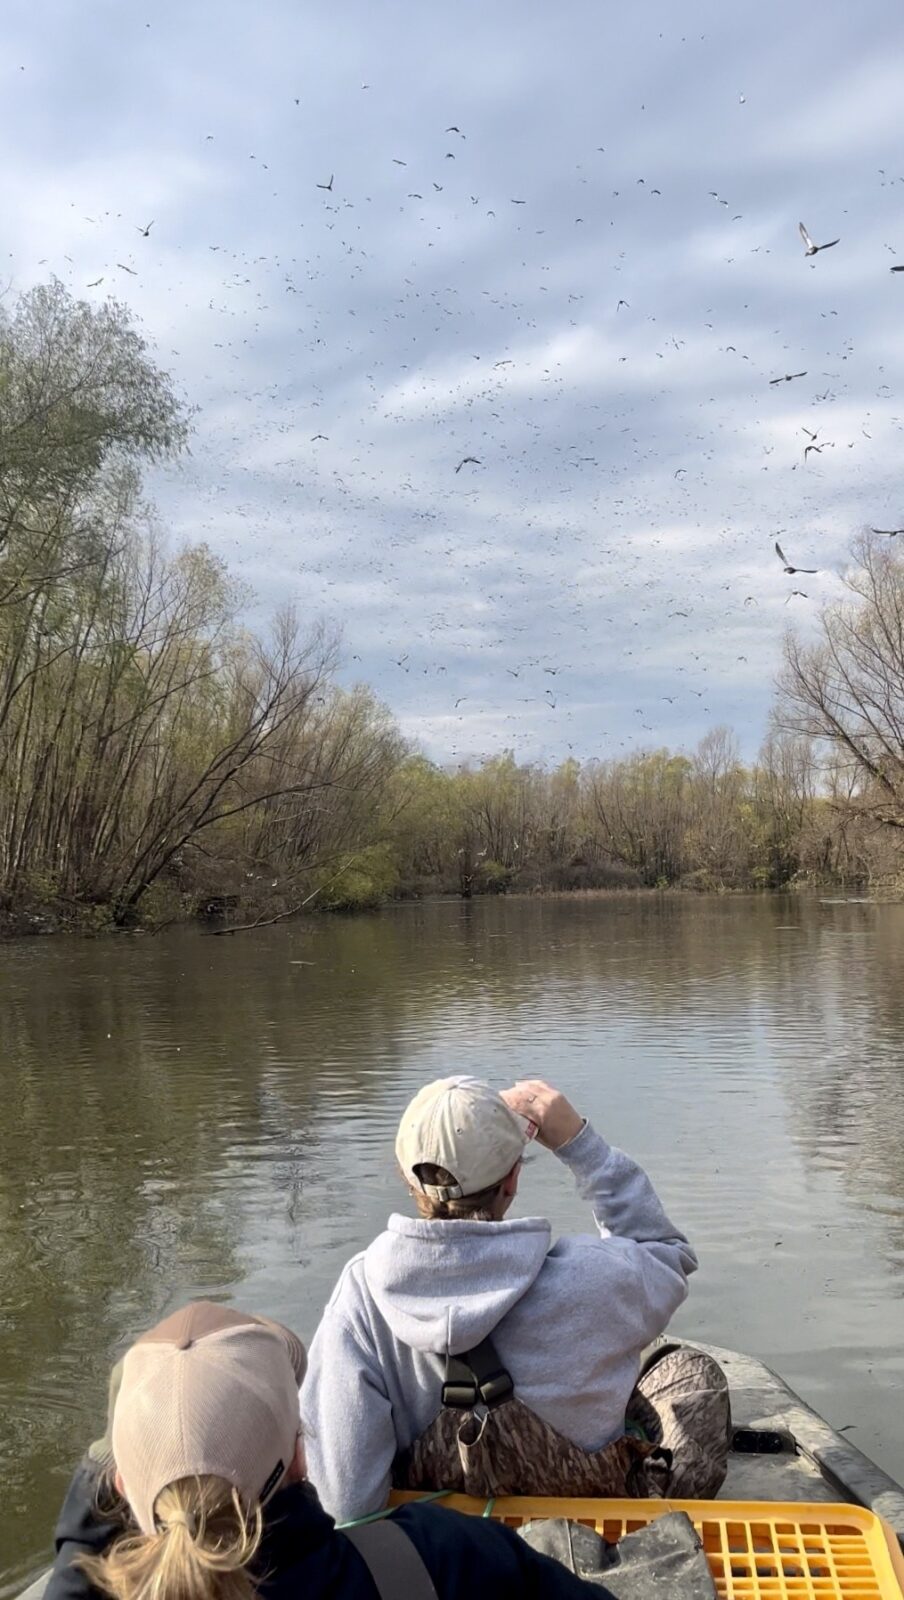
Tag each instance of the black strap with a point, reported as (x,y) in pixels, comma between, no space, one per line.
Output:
(397,1569)
(476,1378)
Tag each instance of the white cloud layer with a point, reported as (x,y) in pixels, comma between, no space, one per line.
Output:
(604,577)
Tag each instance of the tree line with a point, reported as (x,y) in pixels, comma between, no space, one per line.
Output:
(159,758)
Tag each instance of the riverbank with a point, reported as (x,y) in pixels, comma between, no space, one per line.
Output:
(226,915)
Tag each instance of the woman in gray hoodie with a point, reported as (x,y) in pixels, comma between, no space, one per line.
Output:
(463,1349)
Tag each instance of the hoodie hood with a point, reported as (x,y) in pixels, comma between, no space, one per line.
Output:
(441,1287)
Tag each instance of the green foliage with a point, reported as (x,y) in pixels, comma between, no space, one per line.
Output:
(495,877)
(365,883)
(149,747)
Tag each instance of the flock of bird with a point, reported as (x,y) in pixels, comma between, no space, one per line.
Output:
(481,425)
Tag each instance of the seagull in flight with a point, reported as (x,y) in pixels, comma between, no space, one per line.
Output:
(888,533)
(811,249)
(794,592)
(327,186)
(787,565)
(144,231)
(123,268)
(465,460)
(788,377)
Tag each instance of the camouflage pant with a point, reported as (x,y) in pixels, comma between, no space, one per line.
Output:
(678,1421)
(681,1402)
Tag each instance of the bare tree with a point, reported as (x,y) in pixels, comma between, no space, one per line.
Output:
(846,690)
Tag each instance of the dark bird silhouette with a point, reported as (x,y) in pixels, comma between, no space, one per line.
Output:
(94,283)
(144,231)
(465,460)
(320,436)
(811,249)
(788,377)
(453,129)
(787,565)
(123,268)
(887,533)
(327,186)
(817,447)
(794,592)
(397,163)
(519,202)
(622,303)
(896,269)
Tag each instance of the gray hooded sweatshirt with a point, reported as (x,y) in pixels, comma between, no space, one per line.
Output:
(569,1321)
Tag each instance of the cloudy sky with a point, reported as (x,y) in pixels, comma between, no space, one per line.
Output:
(562,239)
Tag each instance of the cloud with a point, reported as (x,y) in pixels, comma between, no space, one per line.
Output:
(635,463)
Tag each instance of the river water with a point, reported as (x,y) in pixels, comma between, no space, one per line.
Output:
(188,1115)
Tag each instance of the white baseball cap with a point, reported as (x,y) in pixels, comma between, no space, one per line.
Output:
(466,1127)
(209,1390)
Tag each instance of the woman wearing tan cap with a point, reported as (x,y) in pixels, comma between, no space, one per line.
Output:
(202,1493)
(466,1349)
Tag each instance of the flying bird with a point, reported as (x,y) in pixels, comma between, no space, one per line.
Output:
(322,436)
(144,231)
(811,249)
(465,460)
(896,269)
(817,447)
(94,283)
(887,533)
(800,592)
(327,186)
(453,129)
(123,268)
(788,377)
(787,565)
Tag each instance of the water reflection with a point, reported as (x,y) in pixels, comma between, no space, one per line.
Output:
(193,1115)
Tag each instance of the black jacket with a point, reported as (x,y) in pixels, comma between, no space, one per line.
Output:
(302,1553)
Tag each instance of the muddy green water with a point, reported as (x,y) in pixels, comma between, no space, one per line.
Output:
(195,1116)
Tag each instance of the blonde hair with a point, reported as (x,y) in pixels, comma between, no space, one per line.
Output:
(470,1208)
(204,1542)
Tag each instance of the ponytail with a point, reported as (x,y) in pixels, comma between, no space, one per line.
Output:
(201,1550)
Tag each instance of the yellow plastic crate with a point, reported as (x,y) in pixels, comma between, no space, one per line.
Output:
(756,1551)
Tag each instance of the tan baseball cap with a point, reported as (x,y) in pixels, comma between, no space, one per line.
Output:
(209,1390)
(465,1126)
